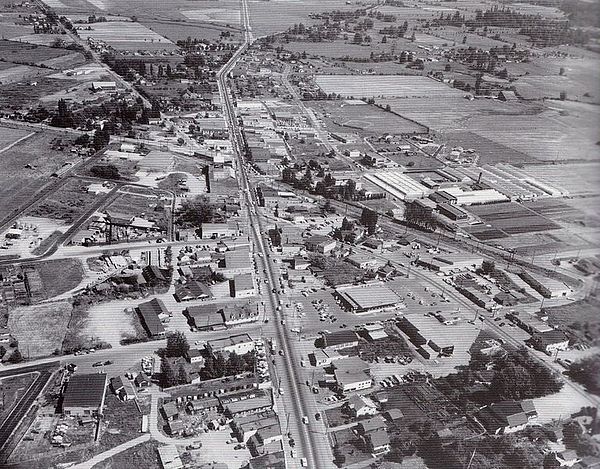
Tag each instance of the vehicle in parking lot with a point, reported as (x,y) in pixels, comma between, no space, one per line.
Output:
(305,420)
(98,364)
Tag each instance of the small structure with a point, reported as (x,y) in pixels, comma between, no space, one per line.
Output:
(506,416)
(169,457)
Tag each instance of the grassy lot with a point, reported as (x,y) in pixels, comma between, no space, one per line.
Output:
(12,388)
(71,274)
(23,53)
(9,135)
(40,329)
(143,455)
(580,318)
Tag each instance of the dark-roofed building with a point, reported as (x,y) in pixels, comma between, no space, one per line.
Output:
(123,388)
(506,416)
(551,341)
(153,274)
(268,461)
(170,411)
(452,212)
(84,395)
(192,290)
(149,314)
(340,340)
(368,425)
(320,243)
(210,404)
(204,317)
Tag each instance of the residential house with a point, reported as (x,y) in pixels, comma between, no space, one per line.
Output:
(360,406)
(506,416)
(377,442)
(170,411)
(123,388)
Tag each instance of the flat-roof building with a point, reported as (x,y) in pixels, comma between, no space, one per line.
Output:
(350,374)
(340,340)
(426,330)
(239,344)
(367,298)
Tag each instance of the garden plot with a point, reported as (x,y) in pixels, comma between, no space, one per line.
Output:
(123,35)
(385,86)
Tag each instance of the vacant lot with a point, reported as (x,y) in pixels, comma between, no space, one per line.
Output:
(508,219)
(143,455)
(40,329)
(385,86)
(12,388)
(124,35)
(9,136)
(23,53)
(66,204)
(176,31)
(71,275)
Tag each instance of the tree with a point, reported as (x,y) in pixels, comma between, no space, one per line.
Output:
(16,357)
(182,375)
(2,351)
(195,212)
(167,374)
(358,39)
(105,171)
(63,117)
(101,138)
(512,382)
(350,189)
(168,255)
(177,345)
(306,181)
(419,216)
(561,72)
(487,267)
(83,140)
(368,218)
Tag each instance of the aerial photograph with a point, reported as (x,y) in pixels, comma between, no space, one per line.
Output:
(284,234)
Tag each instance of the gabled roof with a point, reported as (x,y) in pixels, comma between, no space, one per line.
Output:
(339,338)
(85,390)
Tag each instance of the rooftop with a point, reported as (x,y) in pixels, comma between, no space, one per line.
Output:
(85,390)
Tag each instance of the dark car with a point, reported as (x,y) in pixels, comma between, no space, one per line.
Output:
(317,416)
(292,443)
(108,362)
(98,364)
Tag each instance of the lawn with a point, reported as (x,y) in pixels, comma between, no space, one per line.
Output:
(66,204)
(12,388)
(40,329)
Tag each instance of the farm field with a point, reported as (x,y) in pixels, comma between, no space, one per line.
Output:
(126,35)
(8,136)
(215,15)
(336,49)
(40,329)
(385,86)
(507,219)
(452,35)
(176,31)
(16,73)
(23,94)
(365,117)
(453,112)
(18,184)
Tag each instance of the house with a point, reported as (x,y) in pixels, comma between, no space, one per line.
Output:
(371,424)
(104,86)
(360,406)
(170,411)
(84,395)
(263,437)
(506,416)
(242,286)
(551,341)
(246,426)
(175,427)
(507,96)
(320,244)
(142,380)
(377,442)
(169,457)
(393,414)
(123,388)
(340,340)
(235,314)
(567,458)
(153,274)
(194,356)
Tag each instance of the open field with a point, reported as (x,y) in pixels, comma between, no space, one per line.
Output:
(40,329)
(365,117)
(216,15)
(22,53)
(385,86)
(19,184)
(71,274)
(125,35)
(9,136)
(143,455)
(12,389)
(507,219)
(580,179)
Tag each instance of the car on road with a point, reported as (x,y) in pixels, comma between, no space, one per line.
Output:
(281,391)
(98,364)
(303,462)
(292,443)
(108,362)
(293,453)
(317,416)
(281,353)
(305,420)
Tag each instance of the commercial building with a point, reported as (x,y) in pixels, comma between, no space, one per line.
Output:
(236,314)
(104,86)
(452,212)
(324,357)
(238,405)
(367,298)
(320,244)
(192,290)
(239,344)
(84,395)
(340,340)
(242,286)
(205,317)
(529,323)
(350,375)
(475,197)
(427,332)
(450,263)
(246,426)
(398,185)
(150,313)
(545,286)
